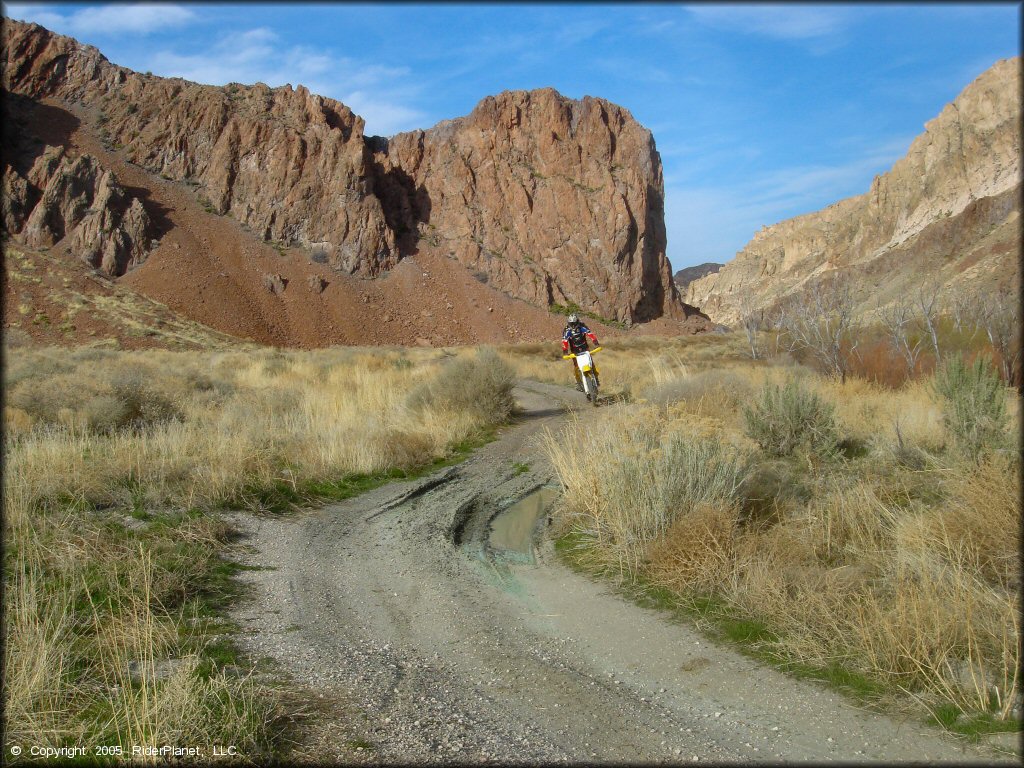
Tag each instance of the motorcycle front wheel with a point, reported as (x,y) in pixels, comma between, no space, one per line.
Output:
(592,388)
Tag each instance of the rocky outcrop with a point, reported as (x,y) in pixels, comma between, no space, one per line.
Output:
(949,210)
(73,198)
(290,165)
(551,200)
(554,200)
(687,275)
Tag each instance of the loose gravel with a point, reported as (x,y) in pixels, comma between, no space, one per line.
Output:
(396,606)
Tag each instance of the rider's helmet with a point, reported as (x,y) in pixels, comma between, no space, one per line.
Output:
(574,319)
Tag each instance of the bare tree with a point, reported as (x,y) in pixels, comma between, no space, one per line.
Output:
(1000,317)
(927,300)
(752,320)
(897,319)
(821,322)
(965,307)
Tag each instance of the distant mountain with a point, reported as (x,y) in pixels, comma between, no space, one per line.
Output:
(948,211)
(687,275)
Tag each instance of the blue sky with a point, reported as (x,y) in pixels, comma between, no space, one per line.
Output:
(760,112)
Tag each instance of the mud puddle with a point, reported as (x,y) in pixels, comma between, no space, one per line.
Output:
(512,529)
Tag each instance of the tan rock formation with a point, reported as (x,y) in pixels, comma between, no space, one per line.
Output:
(948,211)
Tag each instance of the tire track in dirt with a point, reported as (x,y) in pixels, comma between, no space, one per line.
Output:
(396,602)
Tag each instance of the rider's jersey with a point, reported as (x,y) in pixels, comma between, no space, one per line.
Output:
(575,339)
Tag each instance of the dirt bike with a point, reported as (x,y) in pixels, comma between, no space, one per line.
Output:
(588,372)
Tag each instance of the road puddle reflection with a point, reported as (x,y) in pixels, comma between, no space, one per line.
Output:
(513,529)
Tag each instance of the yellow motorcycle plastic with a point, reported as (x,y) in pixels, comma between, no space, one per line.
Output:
(588,372)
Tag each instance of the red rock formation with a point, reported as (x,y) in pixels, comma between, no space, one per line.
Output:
(74,198)
(290,165)
(551,200)
(554,200)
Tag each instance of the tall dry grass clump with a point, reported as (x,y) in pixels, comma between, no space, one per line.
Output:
(115,466)
(626,483)
(859,533)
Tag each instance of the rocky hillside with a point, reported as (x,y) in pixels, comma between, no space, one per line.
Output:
(949,210)
(553,200)
(687,275)
(542,198)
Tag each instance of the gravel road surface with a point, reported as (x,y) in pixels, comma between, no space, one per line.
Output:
(418,639)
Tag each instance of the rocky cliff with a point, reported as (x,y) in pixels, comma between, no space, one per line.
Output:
(553,200)
(547,199)
(62,197)
(687,275)
(948,210)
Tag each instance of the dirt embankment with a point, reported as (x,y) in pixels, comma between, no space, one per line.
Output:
(403,605)
(472,229)
(211,270)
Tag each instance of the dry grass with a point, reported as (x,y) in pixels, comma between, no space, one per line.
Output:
(626,482)
(893,557)
(115,465)
(631,366)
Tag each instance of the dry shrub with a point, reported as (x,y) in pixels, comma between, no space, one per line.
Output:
(790,417)
(695,555)
(626,484)
(909,575)
(982,521)
(102,395)
(710,392)
(96,436)
(16,422)
(846,518)
(480,385)
(974,404)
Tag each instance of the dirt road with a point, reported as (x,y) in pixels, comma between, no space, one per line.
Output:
(421,639)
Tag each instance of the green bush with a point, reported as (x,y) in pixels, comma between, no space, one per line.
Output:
(791,416)
(482,384)
(974,400)
(694,470)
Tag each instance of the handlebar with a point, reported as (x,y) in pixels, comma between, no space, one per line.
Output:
(570,356)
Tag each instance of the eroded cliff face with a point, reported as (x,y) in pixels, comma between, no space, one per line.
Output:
(550,200)
(949,211)
(63,197)
(290,165)
(553,200)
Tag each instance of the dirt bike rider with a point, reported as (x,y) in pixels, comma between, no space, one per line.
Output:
(574,339)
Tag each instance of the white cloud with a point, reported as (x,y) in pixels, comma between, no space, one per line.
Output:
(374,92)
(383,117)
(579,30)
(139,19)
(782,22)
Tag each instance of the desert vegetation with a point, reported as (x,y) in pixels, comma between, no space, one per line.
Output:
(858,528)
(119,467)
